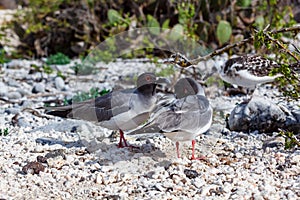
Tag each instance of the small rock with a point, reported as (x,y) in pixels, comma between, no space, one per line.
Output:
(4,89)
(295,159)
(33,168)
(59,83)
(22,122)
(57,162)
(38,88)
(12,111)
(23,91)
(199,182)
(159,187)
(165,163)
(56,153)
(191,173)
(147,148)
(275,142)
(27,103)
(99,178)
(238,155)
(14,95)
(112,197)
(13,83)
(41,159)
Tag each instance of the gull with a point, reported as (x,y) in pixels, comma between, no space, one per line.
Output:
(184,117)
(121,110)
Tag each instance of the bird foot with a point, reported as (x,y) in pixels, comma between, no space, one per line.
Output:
(198,158)
(121,145)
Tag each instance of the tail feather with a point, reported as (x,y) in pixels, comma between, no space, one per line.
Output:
(147,128)
(63,112)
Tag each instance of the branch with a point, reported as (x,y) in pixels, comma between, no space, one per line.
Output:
(240,43)
(282,46)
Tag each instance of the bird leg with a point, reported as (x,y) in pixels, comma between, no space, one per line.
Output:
(122,138)
(177,149)
(193,152)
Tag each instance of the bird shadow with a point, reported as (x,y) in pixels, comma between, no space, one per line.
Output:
(108,153)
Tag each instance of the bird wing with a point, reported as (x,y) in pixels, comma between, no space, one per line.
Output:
(254,64)
(187,114)
(96,110)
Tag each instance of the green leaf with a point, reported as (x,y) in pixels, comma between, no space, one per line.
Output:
(260,22)
(244,3)
(113,16)
(165,25)
(176,32)
(153,25)
(224,31)
(58,59)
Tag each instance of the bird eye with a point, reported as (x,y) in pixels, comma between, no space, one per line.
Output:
(148,78)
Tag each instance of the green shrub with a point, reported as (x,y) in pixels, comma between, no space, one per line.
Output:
(93,93)
(4,132)
(58,59)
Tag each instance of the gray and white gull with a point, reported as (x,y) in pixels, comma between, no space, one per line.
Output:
(121,110)
(183,117)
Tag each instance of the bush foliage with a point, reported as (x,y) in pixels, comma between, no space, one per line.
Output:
(72,27)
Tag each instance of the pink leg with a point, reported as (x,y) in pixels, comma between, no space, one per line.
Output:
(122,138)
(177,149)
(193,152)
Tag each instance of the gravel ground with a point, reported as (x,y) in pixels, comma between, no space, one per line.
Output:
(46,157)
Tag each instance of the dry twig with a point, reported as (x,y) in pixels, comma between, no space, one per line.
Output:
(250,39)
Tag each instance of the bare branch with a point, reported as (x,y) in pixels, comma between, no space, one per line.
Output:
(282,46)
(242,42)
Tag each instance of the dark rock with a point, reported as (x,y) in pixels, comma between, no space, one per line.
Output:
(276,142)
(258,114)
(111,197)
(295,125)
(41,159)
(56,153)
(33,168)
(190,173)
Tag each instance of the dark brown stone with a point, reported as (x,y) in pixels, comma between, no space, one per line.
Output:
(33,168)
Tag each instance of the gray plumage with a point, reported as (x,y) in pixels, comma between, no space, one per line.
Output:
(123,110)
(181,118)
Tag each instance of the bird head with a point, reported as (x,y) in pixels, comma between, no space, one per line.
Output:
(188,86)
(147,82)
